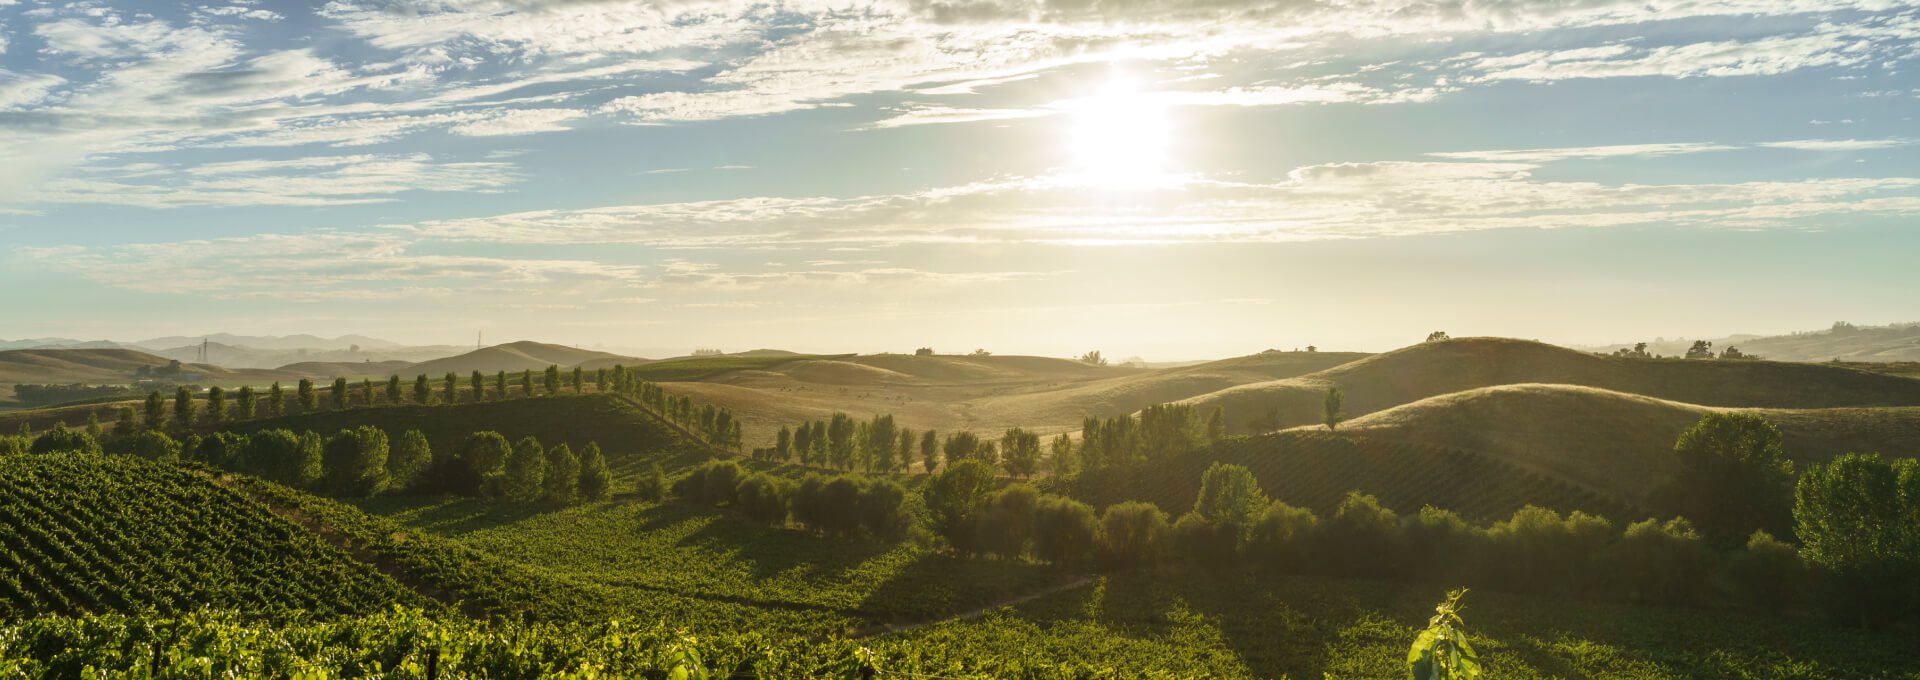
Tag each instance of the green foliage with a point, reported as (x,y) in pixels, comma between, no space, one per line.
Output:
(1333,409)
(953,497)
(1363,537)
(88,533)
(155,411)
(478,467)
(1065,531)
(764,498)
(1734,477)
(355,462)
(393,390)
(1769,574)
(278,455)
(154,445)
(62,439)
(339,393)
(411,458)
(1663,562)
(1285,537)
(276,400)
(1442,651)
(309,400)
(1133,533)
(1020,452)
(596,480)
(1858,519)
(523,476)
(652,486)
(216,406)
(562,475)
(422,390)
(1005,523)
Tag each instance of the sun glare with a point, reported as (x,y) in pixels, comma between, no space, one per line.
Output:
(1120,136)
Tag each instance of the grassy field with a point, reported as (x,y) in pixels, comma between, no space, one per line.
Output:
(1316,470)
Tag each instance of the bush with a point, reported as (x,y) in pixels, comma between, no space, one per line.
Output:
(479,463)
(154,445)
(411,458)
(523,477)
(280,456)
(220,449)
(1006,524)
(1363,537)
(1662,562)
(1064,531)
(14,445)
(1858,520)
(596,481)
(806,504)
(1284,537)
(1768,574)
(953,497)
(1538,550)
(1446,547)
(355,462)
(1133,533)
(652,486)
(713,483)
(764,498)
(62,439)
(1734,477)
(1205,542)
(883,509)
(839,506)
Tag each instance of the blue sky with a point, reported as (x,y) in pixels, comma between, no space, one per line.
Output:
(1155,178)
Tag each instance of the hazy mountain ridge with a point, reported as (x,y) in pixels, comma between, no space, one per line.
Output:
(1844,341)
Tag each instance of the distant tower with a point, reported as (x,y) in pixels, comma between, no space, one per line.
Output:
(477,336)
(203,350)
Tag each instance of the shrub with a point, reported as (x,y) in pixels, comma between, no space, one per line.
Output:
(806,504)
(1133,533)
(563,475)
(764,498)
(479,464)
(1006,524)
(596,481)
(1363,537)
(1231,502)
(410,460)
(355,462)
(14,445)
(652,486)
(1284,536)
(280,456)
(953,497)
(883,509)
(220,449)
(839,506)
(154,445)
(1446,547)
(1768,574)
(1064,531)
(1734,477)
(1858,520)
(62,439)
(1203,541)
(1536,549)
(1662,562)
(523,477)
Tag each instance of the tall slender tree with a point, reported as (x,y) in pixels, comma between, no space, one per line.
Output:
(393,390)
(126,426)
(526,382)
(930,451)
(243,407)
(366,391)
(216,405)
(340,394)
(1333,410)
(478,383)
(156,411)
(422,390)
(552,382)
(276,400)
(596,481)
(500,386)
(183,409)
(579,380)
(308,399)
(452,387)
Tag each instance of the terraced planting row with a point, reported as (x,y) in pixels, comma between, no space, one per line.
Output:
(88,533)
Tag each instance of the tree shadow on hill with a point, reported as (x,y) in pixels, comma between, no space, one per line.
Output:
(1262,619)
(451,515)
(934,586)
(769,551)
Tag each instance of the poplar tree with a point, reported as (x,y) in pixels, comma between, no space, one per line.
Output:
(579,380)
(596,481)
(127,426)
(183,409)
(552,380)
(478,384)
(243,407)
(366,391)
(500,386)
(526,382)
(276,399)
(422,390)
(563,474)
(393,390)
(1332,409)
(452,387)
(216,405)
(308,400)
(340,395)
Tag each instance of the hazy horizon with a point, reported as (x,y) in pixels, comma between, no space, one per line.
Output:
(1149,179)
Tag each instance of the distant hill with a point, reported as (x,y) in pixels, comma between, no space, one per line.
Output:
(1845,342)
(279,342)
(514,357)
(1431,369)
(237,356)
(111,367)
(59,343)
(1620,443)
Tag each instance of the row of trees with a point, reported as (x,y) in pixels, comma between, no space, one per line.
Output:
(881,445)
(364,461)
(842,505)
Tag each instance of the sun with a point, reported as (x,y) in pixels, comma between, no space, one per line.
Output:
(1119,136)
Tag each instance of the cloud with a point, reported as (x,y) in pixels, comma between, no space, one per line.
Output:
(308,181)
(1838,144)
(1584,152)
(518,122)
(1827,46)
(940,115)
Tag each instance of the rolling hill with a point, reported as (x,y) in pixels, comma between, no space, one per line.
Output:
(1615,442)
(111,366)
(1842,342)
(514,357)
(1432,369)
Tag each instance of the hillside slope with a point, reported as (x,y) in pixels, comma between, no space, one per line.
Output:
(111,367)
(513,357)
(1431,369)
(91,533)
(1616,442)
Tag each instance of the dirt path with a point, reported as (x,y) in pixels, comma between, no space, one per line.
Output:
(885,628)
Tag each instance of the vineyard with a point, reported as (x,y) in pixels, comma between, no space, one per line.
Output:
(1316,470)
(81,533)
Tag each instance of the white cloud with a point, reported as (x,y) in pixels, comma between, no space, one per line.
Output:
(311,181)
(1838,144)
(518,122)
(1841,46)
(1584,152)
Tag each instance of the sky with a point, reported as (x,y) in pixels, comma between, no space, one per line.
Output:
(1153,178)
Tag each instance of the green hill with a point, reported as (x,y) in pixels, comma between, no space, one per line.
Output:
(1316,470)
(88,533)
(1432,369)
(1620,443)
(112,367)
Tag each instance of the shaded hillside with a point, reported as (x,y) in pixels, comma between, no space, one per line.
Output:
(1431,369)
(92,533)
(1843,342)
(1619,443)
(347,369)
(513,357)
(1316,470)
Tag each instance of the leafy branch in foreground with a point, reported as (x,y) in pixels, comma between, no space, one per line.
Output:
(1441,652)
